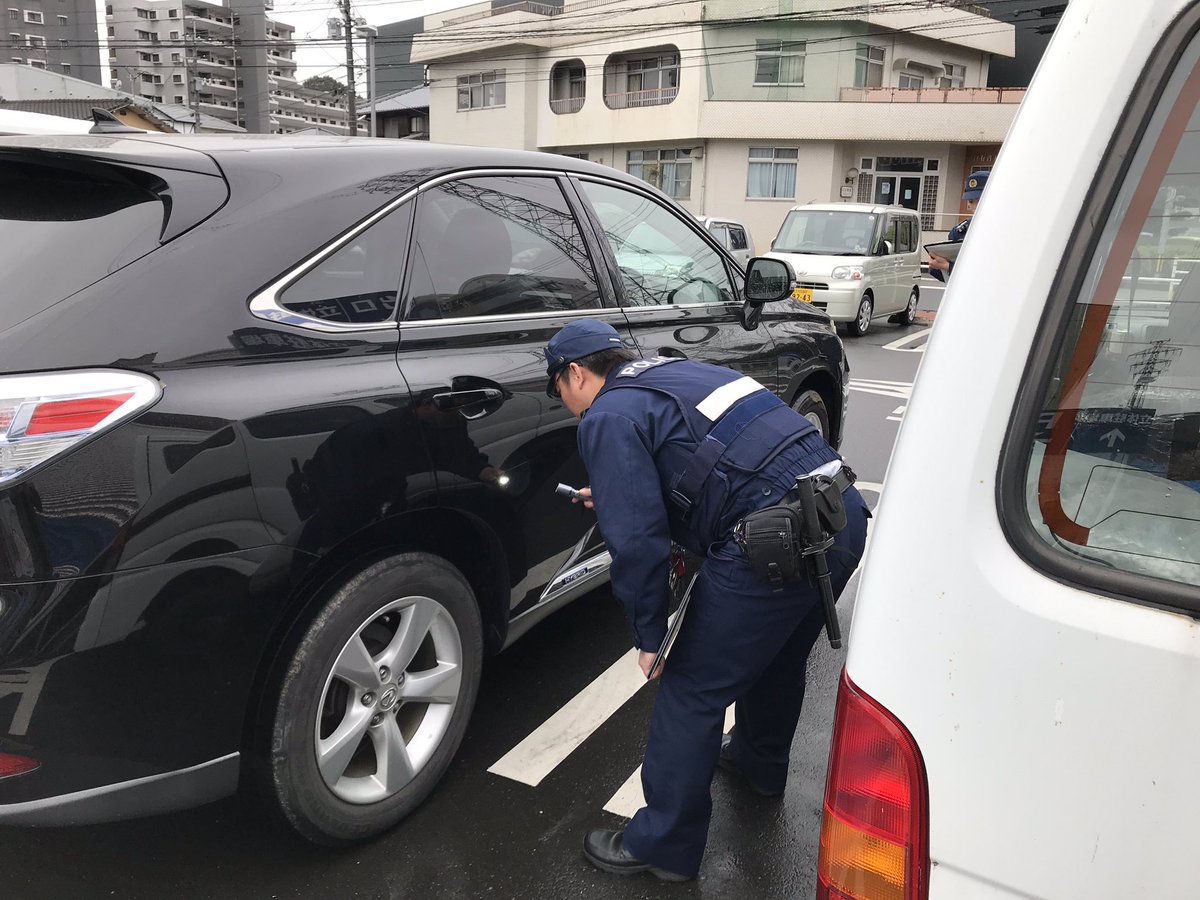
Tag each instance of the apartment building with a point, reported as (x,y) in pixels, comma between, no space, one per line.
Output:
(232,62)
(739,108)
(56,35)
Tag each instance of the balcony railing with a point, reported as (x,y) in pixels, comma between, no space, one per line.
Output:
(540,9)
(566,105)
(932,95)
(631,99)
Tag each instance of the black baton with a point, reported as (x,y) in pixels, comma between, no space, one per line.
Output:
(815,541)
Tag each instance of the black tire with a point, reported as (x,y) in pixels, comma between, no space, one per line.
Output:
(368,612)
(861,323)
(810,405)
(909,315)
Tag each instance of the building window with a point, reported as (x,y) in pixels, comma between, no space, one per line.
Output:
(929,201)
(141,13)
(14,39)
(34,17)
(66,67)
(642,80)
(772,172)
(174,35)
(779,62)
(176,57)
(62,20)
(112,54)
(37,63)
(582,156)
(868,66)
(63,42)
(911,81)
(481,91)
(568,86)
(108,10)
(173,14)
(34,40)
(955,77)
(668,170)
(178,98)
(111,31)
(177,79)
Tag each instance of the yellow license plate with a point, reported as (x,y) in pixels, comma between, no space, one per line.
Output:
(802,294)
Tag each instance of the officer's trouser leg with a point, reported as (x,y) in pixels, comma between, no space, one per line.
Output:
(766,715)
(734,628)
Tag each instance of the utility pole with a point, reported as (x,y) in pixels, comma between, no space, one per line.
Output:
(348,28)
(193,76)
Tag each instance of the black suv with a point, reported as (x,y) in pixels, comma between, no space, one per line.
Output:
(277,464)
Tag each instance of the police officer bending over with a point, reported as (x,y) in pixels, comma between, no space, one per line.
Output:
(687,451)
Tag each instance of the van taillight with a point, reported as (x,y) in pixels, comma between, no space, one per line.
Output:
(875,830)
(44,416)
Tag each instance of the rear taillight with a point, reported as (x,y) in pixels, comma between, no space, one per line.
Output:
(43,416)
(875,831)
(11,764)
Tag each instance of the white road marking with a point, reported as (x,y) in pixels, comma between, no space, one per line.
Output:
(555,739)
(897,414)
(902,389)
(901,344)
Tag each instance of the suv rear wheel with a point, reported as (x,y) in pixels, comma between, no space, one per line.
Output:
(375,699)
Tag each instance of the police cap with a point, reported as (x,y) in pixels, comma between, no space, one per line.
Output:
(577,339)
(976,182)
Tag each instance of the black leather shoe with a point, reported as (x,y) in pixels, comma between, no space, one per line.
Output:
(727,763)
(604,850)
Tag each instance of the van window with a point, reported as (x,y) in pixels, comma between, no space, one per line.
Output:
(1114,471)
(906,235)
(737,238)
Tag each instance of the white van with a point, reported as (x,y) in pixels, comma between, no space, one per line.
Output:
(856,261)
(1019,714)
(733,236)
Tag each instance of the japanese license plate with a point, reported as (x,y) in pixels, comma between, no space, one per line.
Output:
(802,294)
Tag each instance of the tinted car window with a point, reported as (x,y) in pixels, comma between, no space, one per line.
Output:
(1114,472)
(661,259)
(63,229)
(360,281)
(498,246)
(737,238)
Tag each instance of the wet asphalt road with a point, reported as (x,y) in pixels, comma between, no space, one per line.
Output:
(482,835)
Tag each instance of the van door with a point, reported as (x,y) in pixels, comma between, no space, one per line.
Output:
(885,270)
(677,292)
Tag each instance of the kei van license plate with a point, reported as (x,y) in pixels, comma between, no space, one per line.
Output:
(802,294)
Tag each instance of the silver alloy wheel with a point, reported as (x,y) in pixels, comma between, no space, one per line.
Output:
(814,417)
(389,700)
(910,311)
(864,315)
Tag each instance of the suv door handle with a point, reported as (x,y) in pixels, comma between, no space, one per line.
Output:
(462,400)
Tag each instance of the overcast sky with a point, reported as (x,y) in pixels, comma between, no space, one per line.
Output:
(309,18)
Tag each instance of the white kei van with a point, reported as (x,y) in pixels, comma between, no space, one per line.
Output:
(733,236)
(856,261)
(1019,716)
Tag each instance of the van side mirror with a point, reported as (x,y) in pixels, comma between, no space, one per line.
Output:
(768,280)
(883,249)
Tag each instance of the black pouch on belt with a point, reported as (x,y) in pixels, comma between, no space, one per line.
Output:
(772,541)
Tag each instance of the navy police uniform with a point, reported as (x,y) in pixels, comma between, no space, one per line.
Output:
(680,450)
(957,234)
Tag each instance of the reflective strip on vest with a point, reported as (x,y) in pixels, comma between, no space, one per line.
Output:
(715,404)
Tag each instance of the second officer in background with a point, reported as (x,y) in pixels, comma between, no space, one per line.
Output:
(680,450)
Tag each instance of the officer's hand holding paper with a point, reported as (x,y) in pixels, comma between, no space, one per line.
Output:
(941,255)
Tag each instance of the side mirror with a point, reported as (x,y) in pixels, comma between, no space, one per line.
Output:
(884,249)
(768,280)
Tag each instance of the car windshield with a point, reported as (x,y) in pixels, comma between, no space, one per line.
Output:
(63,229)
(823,232)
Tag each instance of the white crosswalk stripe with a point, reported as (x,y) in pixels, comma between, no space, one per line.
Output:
(902,389)
(902,344)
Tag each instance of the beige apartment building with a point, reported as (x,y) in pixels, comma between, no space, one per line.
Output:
(736,108)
